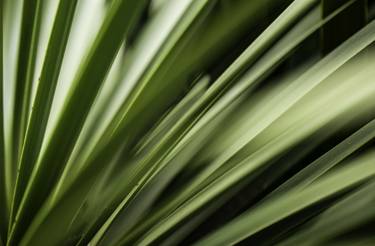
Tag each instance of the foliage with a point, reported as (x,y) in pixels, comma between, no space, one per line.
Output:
(190,122)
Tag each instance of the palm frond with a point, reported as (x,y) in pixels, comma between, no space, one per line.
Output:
(189,122)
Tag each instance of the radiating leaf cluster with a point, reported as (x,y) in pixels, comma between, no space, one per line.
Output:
(190,122)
